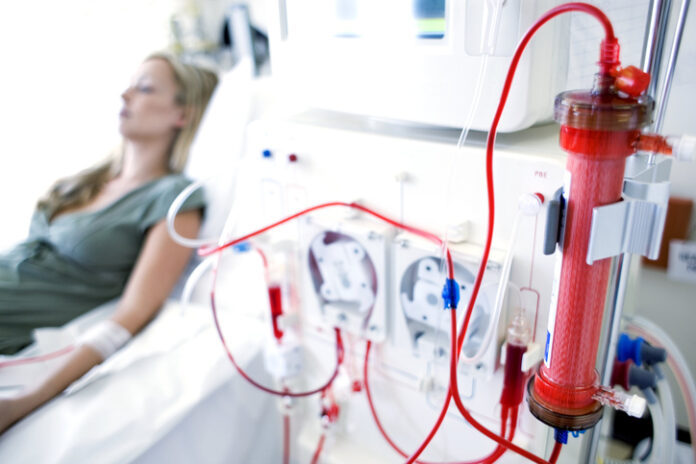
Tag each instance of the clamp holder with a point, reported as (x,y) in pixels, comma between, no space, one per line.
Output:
(636,224)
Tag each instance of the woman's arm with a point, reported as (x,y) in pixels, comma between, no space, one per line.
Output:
(160,263)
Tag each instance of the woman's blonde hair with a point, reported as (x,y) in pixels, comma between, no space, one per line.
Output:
(196,86)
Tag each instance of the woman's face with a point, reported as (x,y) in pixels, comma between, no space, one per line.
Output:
(149,109)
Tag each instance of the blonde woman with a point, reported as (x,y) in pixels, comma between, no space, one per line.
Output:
(102,234)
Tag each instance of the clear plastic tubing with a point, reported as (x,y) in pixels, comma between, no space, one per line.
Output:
(489,38)
(656,336)
(667,427)
(499,297)
(657,455)
(174,210)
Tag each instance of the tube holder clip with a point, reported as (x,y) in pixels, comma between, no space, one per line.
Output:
(636,224)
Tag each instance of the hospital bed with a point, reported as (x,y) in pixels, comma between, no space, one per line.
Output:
(170,395)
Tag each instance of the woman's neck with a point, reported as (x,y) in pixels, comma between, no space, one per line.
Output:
(144,161)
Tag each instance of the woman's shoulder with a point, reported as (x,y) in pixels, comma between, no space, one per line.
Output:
(171,182)
(163,192)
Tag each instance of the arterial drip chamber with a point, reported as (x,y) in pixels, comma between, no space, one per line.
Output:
(599,130)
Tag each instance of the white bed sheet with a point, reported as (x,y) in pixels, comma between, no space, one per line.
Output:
(170,395)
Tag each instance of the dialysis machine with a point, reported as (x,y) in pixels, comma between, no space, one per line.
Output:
(361,210)
(384,284)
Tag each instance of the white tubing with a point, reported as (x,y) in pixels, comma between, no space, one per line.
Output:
(498,305)
(193,279)
(174,210)
(675,360)
(489,37)
(658,439)
(657,455)
(669,437)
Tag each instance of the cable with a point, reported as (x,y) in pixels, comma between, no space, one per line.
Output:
(370,402)
(499,298)
(490,458)
(208,250)
(488,43)
(286,438)
(556,452)
(174,210)
(490,143)
(666,407)
(39,358)
(320,447)
(454,394)
(607,62)
(339,353)
(675,360)
(193,279)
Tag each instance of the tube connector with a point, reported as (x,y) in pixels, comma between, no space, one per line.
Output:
(626,374)
(609,52)
(450,294)
(683,147)
(242,247)
(639,351)
(633,405)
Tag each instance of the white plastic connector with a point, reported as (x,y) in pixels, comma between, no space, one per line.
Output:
(683,147)
(530,204)
(458,233)
(284,360)
(633,405)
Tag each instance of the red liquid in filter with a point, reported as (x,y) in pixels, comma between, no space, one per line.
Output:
(595,164)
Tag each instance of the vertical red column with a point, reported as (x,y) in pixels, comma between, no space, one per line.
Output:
(598,133)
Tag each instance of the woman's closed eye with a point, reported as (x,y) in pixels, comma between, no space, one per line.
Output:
(145,88)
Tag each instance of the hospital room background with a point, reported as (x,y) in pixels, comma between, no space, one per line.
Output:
(284,133)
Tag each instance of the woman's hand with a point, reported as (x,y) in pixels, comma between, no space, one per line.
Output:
(159,265)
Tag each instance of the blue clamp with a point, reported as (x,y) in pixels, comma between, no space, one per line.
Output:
(450,293)
(561,436)
(242,247)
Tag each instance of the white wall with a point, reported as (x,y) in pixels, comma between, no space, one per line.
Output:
(64,65)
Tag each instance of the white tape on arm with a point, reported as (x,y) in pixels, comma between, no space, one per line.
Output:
(105,338)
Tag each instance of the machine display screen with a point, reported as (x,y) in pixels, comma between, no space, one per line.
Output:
(375,20)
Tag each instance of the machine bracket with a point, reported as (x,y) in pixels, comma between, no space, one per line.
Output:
(636,224)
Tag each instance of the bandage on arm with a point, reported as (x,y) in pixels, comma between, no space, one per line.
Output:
(105,338)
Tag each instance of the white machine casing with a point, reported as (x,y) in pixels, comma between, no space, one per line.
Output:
(383,73)
(402,172)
